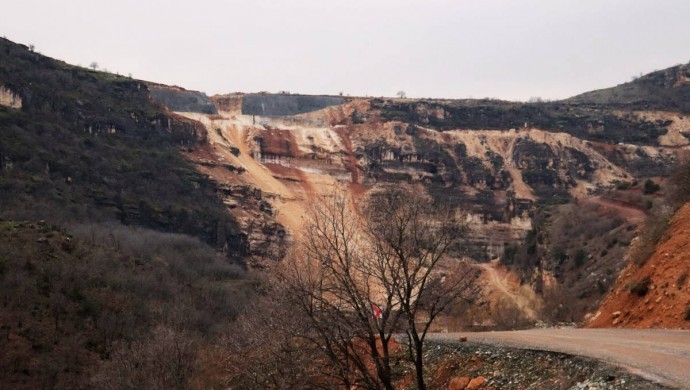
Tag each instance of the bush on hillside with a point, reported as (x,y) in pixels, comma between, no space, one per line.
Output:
(640,287)
(650,187)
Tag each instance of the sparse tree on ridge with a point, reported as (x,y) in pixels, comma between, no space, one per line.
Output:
(93,65)
(401,94)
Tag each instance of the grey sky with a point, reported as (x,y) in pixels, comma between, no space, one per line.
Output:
(511,49)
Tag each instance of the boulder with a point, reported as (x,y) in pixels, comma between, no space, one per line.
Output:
(476,383)
(459,383)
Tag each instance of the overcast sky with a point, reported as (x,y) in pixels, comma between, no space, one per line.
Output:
(511,49)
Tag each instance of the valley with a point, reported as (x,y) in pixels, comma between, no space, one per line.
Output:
(143,223)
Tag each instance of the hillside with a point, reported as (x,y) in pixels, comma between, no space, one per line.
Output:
(81,145)
(655,294)
(119,264)
(70,304)
(142,205)
(664,90)
(239,170)
(508,165)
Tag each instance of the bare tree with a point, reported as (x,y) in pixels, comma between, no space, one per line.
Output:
(266,350)
(32,47)
(412,236)
(93,65)
(165,361)
(401,94)
(330,283)
(349,267)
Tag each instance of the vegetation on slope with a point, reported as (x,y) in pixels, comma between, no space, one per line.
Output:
(582,247)
(593,115)
(111,304)
(94,304)
(654,293)
(90,145)
(667,90)
(653,289)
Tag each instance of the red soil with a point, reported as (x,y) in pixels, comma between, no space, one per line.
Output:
(667,299)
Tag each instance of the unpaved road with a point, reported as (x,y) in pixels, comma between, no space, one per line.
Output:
(659,355)
(499,279)
(632,213)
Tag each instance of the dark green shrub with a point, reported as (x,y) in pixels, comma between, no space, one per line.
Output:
(650,187)
(623,185)
(560,255)
(580,257)
(509,252)
(640,287)
(682,279)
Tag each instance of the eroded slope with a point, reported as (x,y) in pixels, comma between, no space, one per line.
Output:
(655,294)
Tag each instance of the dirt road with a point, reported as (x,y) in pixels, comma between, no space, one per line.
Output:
(499,278)
(659,355)
(632,213)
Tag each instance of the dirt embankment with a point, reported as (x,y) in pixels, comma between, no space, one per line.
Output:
(655,294)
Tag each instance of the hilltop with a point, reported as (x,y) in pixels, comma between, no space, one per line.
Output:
(665,90)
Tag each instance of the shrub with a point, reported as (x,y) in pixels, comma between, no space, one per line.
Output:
(560,255)
(506,315)
(654,229)
(623,185)
(679,184)
(580,257)
(640,287)
(682,279)
(509,252)
(650,187)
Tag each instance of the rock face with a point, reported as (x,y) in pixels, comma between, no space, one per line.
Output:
(92,146)
(459,383)
(10,99)
(496,161)
(285,104)
(497,176)
(476,383)
(178,99)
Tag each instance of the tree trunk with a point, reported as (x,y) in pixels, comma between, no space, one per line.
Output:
(419,355)
(419,366)
(382,363)
(410,346)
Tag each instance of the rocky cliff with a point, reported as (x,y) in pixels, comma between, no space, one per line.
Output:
(93,145)
(498,173)
(501,162)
